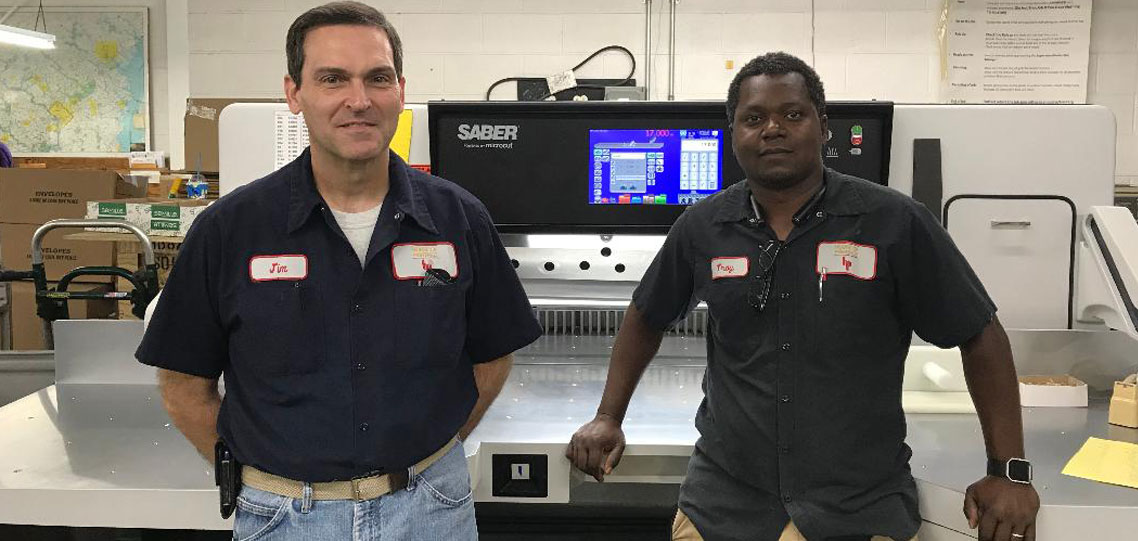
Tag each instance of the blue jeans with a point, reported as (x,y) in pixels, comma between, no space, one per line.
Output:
(437,505)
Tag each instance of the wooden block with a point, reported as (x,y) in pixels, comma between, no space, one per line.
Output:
(71,162)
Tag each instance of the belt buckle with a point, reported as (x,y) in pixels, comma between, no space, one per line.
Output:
(357,493)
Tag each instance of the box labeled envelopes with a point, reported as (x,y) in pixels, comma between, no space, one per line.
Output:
(60,255)
(34,196)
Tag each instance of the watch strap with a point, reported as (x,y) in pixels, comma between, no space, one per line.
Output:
(1001,469)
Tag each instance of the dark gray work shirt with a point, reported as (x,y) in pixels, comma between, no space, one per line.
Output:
(802,412)
(333,370)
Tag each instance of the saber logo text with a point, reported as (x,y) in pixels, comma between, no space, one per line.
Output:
(488,135)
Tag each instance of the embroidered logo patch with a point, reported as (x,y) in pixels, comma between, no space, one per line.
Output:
(411,261)
(849,258)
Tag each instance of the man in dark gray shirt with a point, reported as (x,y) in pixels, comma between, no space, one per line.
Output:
(815,282)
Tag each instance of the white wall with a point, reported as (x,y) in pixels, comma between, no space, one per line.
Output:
(884,49)
(1113,79)
(863,49)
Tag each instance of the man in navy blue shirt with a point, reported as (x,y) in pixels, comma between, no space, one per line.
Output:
(363,314)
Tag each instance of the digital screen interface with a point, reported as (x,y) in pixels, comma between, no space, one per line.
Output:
(654,166)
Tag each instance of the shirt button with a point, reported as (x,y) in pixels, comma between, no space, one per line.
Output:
(785,449)
(786,498)
(785,399)
(361,367)
(753,220)
(363,427)
(784,296)
(786,346)
(356,308)
(398,216)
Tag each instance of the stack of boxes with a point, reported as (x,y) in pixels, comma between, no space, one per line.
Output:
(160,219)
(156,217)
(28,199)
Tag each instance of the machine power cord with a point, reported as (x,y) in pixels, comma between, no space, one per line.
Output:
(598,52)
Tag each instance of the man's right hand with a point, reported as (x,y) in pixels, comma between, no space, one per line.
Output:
(597,446)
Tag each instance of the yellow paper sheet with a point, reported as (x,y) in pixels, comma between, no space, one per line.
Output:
(401,143)
(1106,461)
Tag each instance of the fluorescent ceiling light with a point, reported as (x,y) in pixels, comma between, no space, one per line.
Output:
(26,38)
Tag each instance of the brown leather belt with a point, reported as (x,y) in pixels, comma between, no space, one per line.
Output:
(359,489)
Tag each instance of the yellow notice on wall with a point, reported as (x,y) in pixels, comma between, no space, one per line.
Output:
(401,143)
(1106,461)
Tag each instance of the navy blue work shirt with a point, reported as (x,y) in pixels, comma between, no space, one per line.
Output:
(802,415)
(333,371)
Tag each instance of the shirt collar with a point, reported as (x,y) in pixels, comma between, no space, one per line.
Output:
(402,193)
(839,196)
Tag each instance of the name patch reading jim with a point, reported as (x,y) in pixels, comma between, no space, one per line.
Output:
(264,268)
(845,257)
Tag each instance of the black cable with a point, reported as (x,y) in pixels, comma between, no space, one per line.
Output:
(503,81)
(41,15)
(607,48)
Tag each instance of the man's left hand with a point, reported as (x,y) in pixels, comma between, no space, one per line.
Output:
(1003,510)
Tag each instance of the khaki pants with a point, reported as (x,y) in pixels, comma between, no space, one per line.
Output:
(684,530)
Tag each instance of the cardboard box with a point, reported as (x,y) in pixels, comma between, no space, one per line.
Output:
(156,217)
(1124,403)
(27,327)
(71,162)
(114,209)
(201,130)
(128,256)
(35,196)
(170,217)
(60,256)
(1052,391)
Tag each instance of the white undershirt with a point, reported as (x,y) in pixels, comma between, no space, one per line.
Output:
(358,227)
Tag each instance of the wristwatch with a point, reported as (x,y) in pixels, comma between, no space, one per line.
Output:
(1016,470)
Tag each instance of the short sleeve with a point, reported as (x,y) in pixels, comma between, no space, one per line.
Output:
(665,293)
(185,333)
(939,295)
(499,318)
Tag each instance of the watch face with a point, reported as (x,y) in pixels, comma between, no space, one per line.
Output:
(1019,470)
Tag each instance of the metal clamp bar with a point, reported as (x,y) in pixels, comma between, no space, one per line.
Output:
(672,49)
(14,276)
(648,50)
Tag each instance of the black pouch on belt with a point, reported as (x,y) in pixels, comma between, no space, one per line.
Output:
(227,475)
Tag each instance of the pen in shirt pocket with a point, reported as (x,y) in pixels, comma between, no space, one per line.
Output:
(436,277)
(821,281)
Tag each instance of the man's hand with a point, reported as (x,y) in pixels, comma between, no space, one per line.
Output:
(489,378)
(1002,509)
(193,404)
(597,446)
